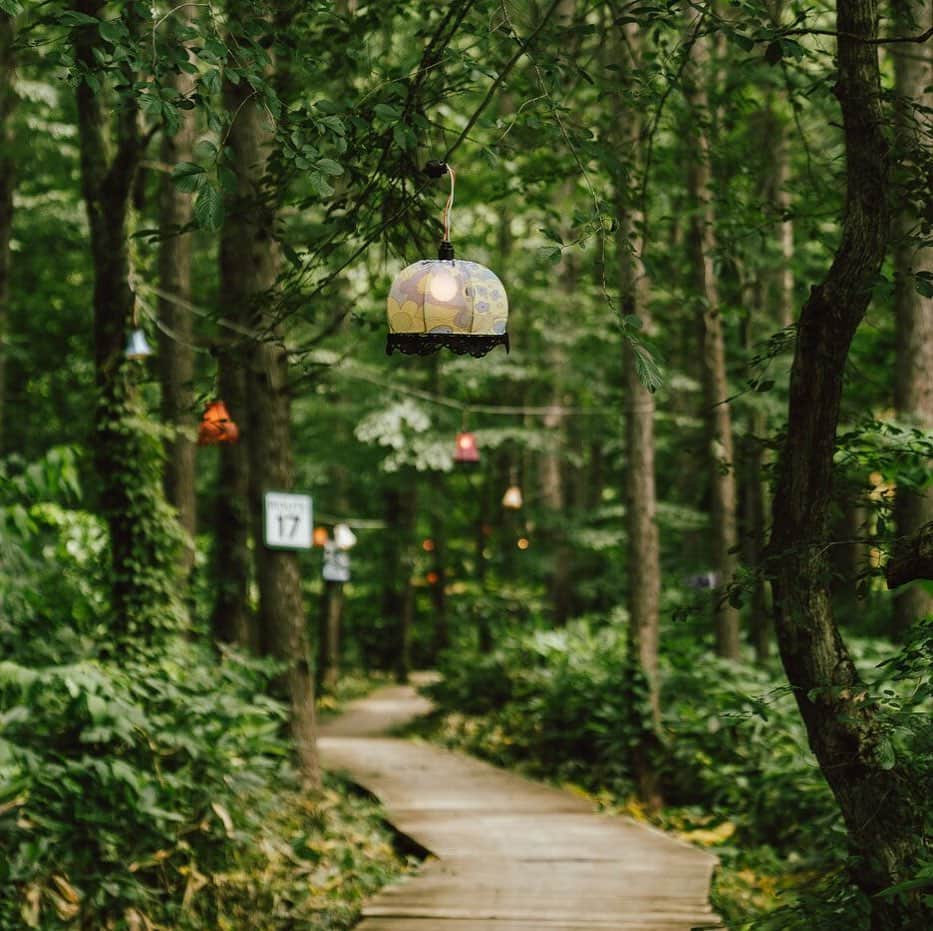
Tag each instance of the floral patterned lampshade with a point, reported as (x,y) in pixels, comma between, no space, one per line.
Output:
(435,303)
(444,302)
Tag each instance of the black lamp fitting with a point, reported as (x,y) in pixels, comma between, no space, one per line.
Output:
(435,169)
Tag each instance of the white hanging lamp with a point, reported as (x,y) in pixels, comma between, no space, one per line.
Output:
(137,346)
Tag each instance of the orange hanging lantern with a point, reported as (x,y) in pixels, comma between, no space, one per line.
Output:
(466,449)
(216,426)
(320,536)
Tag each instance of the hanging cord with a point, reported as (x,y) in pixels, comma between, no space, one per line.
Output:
(450,202)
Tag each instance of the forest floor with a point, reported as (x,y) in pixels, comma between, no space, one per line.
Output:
(509,854)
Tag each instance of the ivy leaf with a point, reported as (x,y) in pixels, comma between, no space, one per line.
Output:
(188,177)
(884,754)
(209,208)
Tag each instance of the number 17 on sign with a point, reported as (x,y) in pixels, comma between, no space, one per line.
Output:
(287,522)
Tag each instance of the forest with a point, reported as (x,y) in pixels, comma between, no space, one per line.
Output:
(557,369)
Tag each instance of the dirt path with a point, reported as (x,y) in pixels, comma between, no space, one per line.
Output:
(512,855)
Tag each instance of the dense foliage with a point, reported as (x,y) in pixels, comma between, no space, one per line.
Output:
(738,773)
(148,788)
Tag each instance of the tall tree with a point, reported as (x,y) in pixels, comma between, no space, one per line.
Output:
(7,100)
(844,729)
(251,255)
(176,355)
(128,470)
(913,386)
(701,244)
(643,562)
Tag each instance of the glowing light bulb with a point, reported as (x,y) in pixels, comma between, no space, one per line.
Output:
(523,543)
(512,498)
(443,286)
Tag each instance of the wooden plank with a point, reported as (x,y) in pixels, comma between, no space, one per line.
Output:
(515,855)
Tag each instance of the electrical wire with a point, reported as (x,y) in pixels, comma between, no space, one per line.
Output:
(450,202)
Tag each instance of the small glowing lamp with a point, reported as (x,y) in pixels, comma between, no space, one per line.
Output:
(428,546)
(344,537)
(512,498)
(137,346)
(466,449)
(432,578)
(320,536)
(523,543)
(216,426)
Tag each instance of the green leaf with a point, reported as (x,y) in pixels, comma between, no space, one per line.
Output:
(320,185)
(923,282)
(113,31)
(387,113)
(188,177)
(209,208)
(329,167)
(13,7)
(884,754)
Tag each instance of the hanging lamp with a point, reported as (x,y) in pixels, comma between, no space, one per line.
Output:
(344,537)
(320,536)
(446,302)
(466,450)
(512,499)
(137,346)
(216,426)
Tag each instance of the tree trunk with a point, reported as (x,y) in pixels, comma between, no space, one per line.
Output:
(702,246)
(643,558)
(440,620)
(233,619)
(913,391)
(250,224)
(406,619)
(329,637)
(176,356)
(844,729)
(142,548)
(438,510)
(7,182)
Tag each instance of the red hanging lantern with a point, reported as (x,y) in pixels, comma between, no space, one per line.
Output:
(466,450)
(216,426)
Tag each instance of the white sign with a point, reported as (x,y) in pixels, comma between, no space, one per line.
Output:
(287,521)
(336,564)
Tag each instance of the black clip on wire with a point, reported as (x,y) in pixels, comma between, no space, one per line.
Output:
(437,169)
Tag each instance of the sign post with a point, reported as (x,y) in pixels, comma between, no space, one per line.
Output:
(287,524)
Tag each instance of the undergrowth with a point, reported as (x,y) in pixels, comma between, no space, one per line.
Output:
(737,773)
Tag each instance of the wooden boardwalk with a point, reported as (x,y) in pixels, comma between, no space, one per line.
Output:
(511,854)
